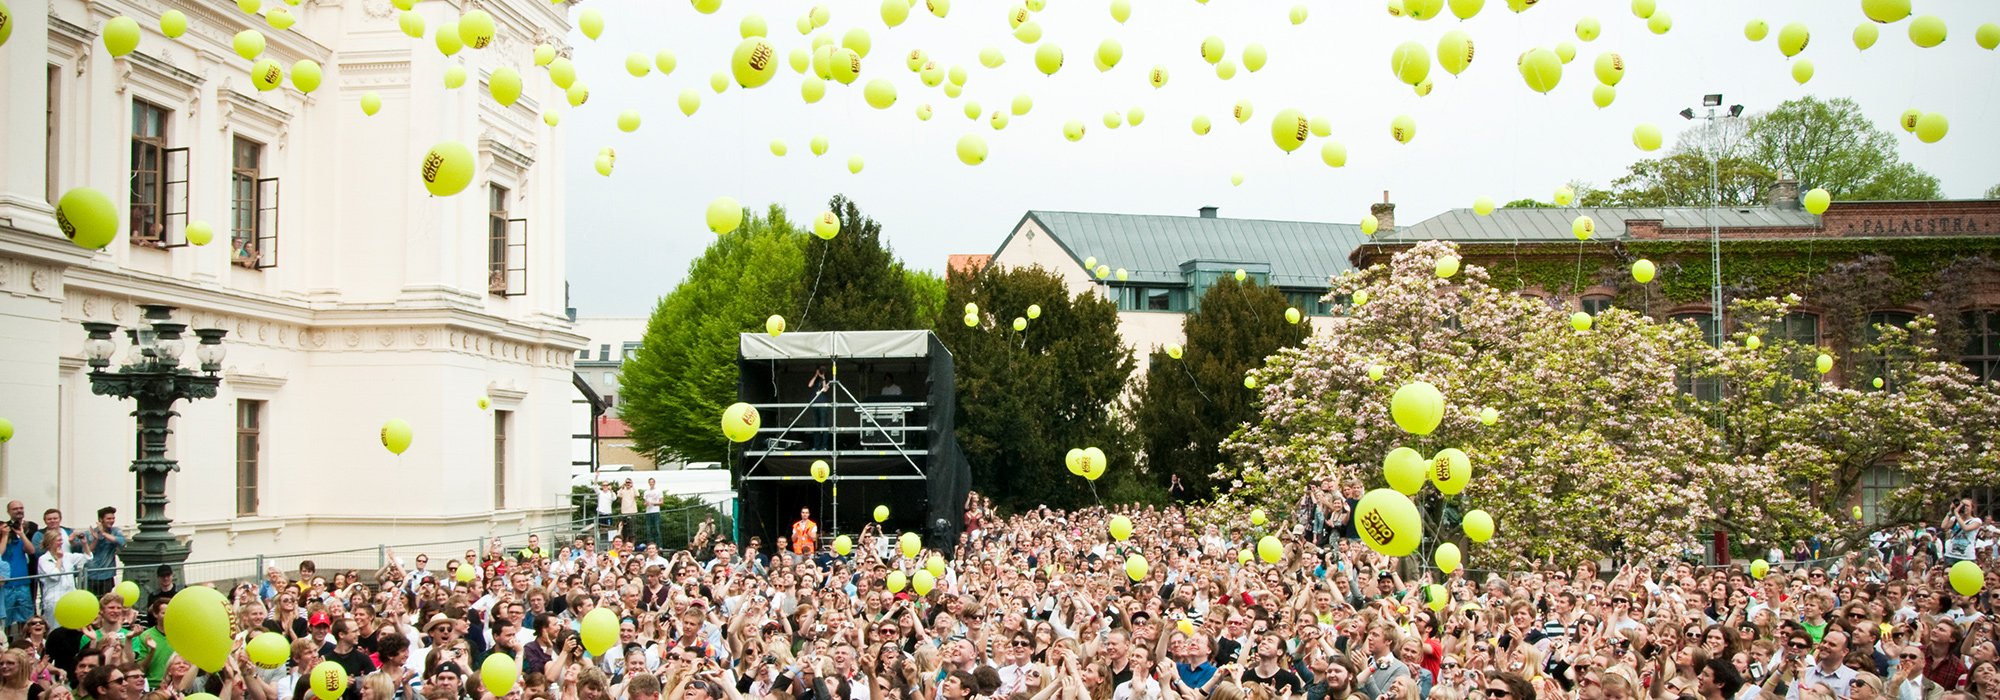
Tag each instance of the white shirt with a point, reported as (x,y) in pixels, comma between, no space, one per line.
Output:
(1839,680)
(1146,688)
(603,502)
(654,497)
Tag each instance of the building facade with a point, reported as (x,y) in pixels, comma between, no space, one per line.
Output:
(610,340)
(1158,267)
(351,296)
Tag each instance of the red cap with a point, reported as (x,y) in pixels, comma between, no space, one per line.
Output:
(317,619)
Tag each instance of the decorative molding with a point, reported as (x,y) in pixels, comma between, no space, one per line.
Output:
(378,8)
(253,385)
(270,118)
(162,71)
(505,397)
(502,154)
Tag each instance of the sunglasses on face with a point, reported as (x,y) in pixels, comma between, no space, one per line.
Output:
(1496,692)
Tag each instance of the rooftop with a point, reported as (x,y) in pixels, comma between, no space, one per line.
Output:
(1553,224)
(1152,247)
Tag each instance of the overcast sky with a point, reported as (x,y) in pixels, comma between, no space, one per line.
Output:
(631,236)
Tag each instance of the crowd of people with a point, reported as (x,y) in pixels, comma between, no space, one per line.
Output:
(1039,605)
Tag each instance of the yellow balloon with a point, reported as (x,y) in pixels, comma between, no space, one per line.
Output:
(76,609)
(1048,58)
(87,217)
(1817,200)
(628,121)
(1447,557)
(329,679)
(724,215)
(1410,62)
(1647,137)
(412,24)
(268,650)
(843,545)
(248,43)
(1483,206)
(1885,11)
(1756,29)
(1610,68)
(1028,32)
(599,631)
(498,673)
(1333,154)
(879,93)
(1932,127)
(911,543)
(1583,227)
(1660,22)
(1388,522)
(1423,10)
(1967,579)
(475,29)
(1289,129)
(1121,528)
(1489,416)
(1802,71)
(1455,51)
(127,590)
(1759,568)
(396,435)
(1588,28)
(1865,35)
(1451,469)
(846,65)
(591,22)
(1602,95)
(754,62)
(1403,468)
(446,169)
(173,24)
(1258,518)
(935,565)
(923,583)
(545,53)
(1643,270)
(562,73)
(197,625)
(1447,266)
(894,12)
(774,325)
(1403,128)
(1254,57)
(1292,314)
(740,422)
(1270,550)
(971,149)
(1927,31)
(1136,567)
(447,39)
(1298,15)
(1478,526)
(1792,38)
(1987,36)
(1580,321)
(200,233)
(1823,363)
(504,83)
(266,74)
(1542,69)
(881,513)
(1417,407)
(820,470)
(121,35)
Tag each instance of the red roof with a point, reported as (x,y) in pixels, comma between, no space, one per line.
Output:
(608,427)
(966,262)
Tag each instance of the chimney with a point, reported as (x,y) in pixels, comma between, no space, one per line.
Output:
(1385,214)
(1783,194)
(1208,212)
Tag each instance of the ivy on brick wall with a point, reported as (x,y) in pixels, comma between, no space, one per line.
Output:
(1842,280)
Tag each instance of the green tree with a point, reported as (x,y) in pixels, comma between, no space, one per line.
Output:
(1830,144)
(927,292)
(1188,406)
(684,372)
(1025,398)
(1682,180)
(854,282)
(1992,192)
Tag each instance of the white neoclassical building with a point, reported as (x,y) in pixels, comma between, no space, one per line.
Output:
(351,296)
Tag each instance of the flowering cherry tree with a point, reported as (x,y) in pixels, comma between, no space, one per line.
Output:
(1597,446)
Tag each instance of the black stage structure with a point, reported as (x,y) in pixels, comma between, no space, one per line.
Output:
(881,419)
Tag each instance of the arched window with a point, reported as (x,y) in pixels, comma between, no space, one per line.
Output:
(1703,388)
(1876,365)
(1981,353)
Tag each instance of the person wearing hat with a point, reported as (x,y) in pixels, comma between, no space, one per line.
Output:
(446,682)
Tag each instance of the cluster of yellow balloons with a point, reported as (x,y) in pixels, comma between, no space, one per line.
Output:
(1087,462)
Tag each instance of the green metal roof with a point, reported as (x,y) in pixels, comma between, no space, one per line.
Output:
(1553,224)
(1152,248)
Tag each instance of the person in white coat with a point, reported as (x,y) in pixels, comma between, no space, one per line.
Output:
(58,568)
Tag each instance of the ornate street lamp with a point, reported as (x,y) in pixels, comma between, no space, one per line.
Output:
(153,376)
